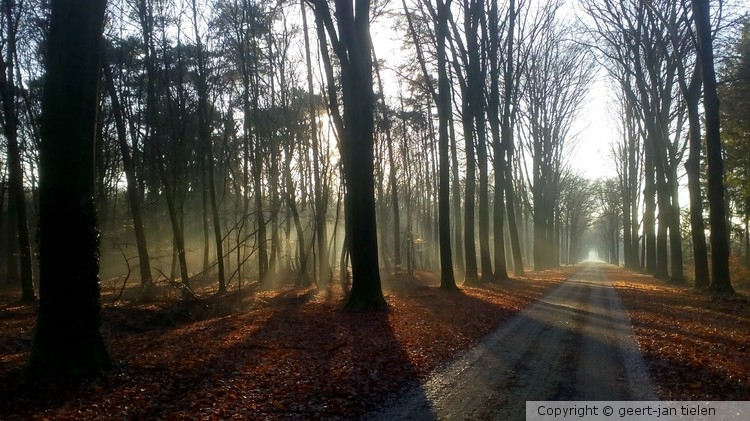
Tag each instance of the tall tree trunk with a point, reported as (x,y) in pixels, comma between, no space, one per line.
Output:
(12,252)
(539,206)
(633,177)
(447,279)
(334,113)
(664,217)
(67,339)
(507,141)
(692,168)
(15,170)
(134,202)
(441,97)
(204,131)
(624,179)
(392,180)
(468,120)
(498,217)
(691,91)
(456,201)
(257,153)
(178,236)
(202,159)
(151,144)
(470,259)
(649,211)
(675,235)
(321,201)
(302,277)
(484,202)
(720,280)
(352,44)
(273,155)
(476,81)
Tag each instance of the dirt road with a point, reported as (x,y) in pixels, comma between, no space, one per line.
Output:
(576,343)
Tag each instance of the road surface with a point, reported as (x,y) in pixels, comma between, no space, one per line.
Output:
(575,343)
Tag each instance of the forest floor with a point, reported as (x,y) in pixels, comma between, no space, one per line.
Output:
(697,346)
(295,353)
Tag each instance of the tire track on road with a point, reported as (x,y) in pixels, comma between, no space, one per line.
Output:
(575,343)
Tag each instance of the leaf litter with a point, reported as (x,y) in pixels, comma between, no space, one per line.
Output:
(296,354)
(697,346)
(288,353)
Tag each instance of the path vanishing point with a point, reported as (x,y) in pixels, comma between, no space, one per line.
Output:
(575,343)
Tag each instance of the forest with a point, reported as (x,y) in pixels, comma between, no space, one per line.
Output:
(180,154)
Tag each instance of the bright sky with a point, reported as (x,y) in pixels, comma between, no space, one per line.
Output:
(595,126)
(596,132)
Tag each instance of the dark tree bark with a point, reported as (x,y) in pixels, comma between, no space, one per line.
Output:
(493,104)
(632,186)
(470,251)
(132,185)
(691,93)
(392,178)
(67,339)
(321,235)
(507,141)
(456,201)
(447,278)
(664,216)
(351,42)
(476,76)
(720,281)
(257,154)
(442,98)
(302,277)
(649,212)
(625,155)
(204,133)
(152,144)
(468,119)
(675,235)
(622,156)
(18,239)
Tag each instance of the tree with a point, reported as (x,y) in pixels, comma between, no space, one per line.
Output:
(690,87)
(17,199)
(67,339)
(634,44)
(577,199)
(720,281)
(392,177)
(555,83)
(626,152)
(510,92)
(498,147)
(475,65)
(734,93)
(134,199)
(608,197)
(350,39)
(447,280)
(204,134)
(321,197)
(442,97)
(469,79)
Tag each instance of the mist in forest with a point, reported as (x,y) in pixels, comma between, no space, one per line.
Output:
(220,134)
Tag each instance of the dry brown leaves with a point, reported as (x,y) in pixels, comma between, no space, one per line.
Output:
(697,346)
(288,354)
